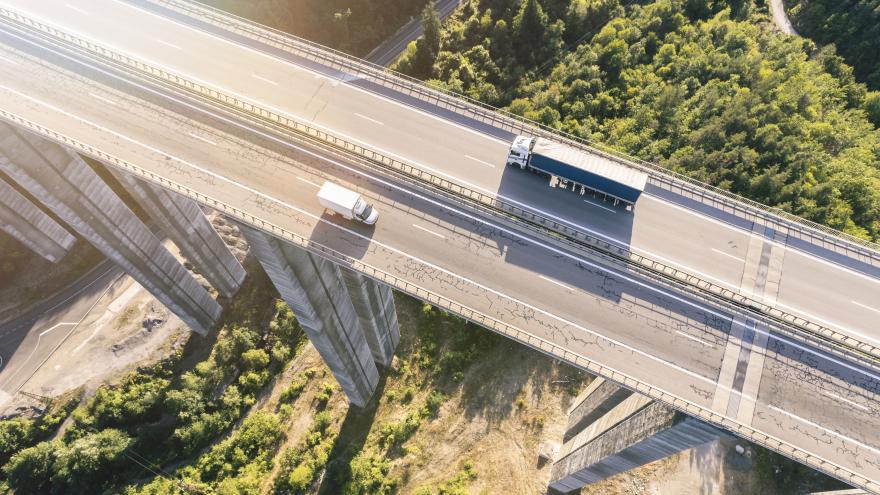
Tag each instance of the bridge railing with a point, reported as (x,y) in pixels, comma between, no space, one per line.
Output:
(802,329)
(547,347)
(672,181)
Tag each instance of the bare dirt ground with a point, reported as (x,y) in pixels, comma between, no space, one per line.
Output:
(128,326)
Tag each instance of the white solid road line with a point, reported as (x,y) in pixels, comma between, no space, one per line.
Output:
(274,58)
(368,118)
(171,45)
(612,210)
(307,181)
(261,78)
(866,307)
(854,404)
(202,139)
(826,430)
(424,198)
(9,61)
(737,258)
(77,9)
(53,327)
(557,283)
(429,231)
(786,247)
(44,332)
(105,100)
(480,161)
(695,339)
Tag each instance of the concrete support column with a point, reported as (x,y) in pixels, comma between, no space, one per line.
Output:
(635,431)
(72,190)
(187,226)
(315,290)
(594,402)
(374,305)
(25,221)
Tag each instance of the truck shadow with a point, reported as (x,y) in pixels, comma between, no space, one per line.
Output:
(589,212)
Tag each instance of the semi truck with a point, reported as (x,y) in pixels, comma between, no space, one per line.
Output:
(570,168)
(347,203)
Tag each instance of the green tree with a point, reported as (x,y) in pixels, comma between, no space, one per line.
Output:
(529,30)
(872,107)
(90,462)
(428,46)
(15,434)
(30,470)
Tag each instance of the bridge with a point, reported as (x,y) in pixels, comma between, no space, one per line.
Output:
(742,317)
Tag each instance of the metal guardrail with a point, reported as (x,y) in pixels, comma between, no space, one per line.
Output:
(463,105)
(806,331)
(537,343)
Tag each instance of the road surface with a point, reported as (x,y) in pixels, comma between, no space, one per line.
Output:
(392,48)
(28,340)
(780,17)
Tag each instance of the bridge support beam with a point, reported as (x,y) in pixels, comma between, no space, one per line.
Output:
(374,304)
(316,291)
(183,221)
(73,191)
(25,221)
(633,432)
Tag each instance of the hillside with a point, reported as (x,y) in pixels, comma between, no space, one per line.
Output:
(853,26)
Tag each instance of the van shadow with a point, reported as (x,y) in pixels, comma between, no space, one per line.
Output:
(334,230)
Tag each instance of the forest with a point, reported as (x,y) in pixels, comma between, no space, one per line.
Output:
(853,26)
(702,87)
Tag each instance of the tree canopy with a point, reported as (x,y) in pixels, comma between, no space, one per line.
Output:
(853,26)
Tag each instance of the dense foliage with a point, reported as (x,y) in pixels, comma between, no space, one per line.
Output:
(699,86)
(851,25)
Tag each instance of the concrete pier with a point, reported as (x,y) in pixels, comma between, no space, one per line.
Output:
(597,399)
(25,221)
(315,290)
(633,432)
(69,187)
(374,304)
(182,220)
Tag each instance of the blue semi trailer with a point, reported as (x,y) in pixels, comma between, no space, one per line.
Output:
(574,169)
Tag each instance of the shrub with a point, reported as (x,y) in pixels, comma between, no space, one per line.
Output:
(369,476)
(15,434)
(254,359)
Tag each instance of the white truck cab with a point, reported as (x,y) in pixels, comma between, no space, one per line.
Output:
(347,203)
(519,151)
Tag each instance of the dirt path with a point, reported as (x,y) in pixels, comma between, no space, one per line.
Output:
(780,17)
